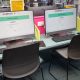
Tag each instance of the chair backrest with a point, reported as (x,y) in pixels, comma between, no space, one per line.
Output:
(74,48)
(21,61)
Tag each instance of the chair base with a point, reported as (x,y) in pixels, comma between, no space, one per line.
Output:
(51,73)
(75,67)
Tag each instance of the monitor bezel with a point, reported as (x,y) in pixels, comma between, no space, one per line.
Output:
(29,36)
(67,30)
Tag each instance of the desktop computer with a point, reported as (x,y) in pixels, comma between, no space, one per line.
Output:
(16,25)
(60,22)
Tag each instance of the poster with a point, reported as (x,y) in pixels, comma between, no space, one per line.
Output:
(17,5)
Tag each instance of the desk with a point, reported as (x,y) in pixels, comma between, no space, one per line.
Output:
(1,47)
(48,42)
(52,44)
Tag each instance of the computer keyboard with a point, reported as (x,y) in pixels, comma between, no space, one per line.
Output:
(62,38)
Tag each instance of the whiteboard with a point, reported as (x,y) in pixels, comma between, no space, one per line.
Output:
(14,24)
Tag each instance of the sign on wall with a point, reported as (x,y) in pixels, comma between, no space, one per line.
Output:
(17,5)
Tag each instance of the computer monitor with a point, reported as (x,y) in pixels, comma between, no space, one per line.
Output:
(60,20)
(16,25)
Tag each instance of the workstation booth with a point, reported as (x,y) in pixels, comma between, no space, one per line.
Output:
(40,42)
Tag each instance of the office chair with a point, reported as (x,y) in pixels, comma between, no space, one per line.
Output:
(20,61)
(71,52)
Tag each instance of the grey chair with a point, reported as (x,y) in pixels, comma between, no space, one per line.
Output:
(71,52)
(20,61)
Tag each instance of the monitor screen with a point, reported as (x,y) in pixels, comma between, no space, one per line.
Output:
(60,19)
(16,25)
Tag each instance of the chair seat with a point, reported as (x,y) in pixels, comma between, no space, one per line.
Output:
(20,71)
(63,52)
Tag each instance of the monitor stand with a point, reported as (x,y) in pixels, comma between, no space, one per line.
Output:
(62,36)
(59,34)
(13,41)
